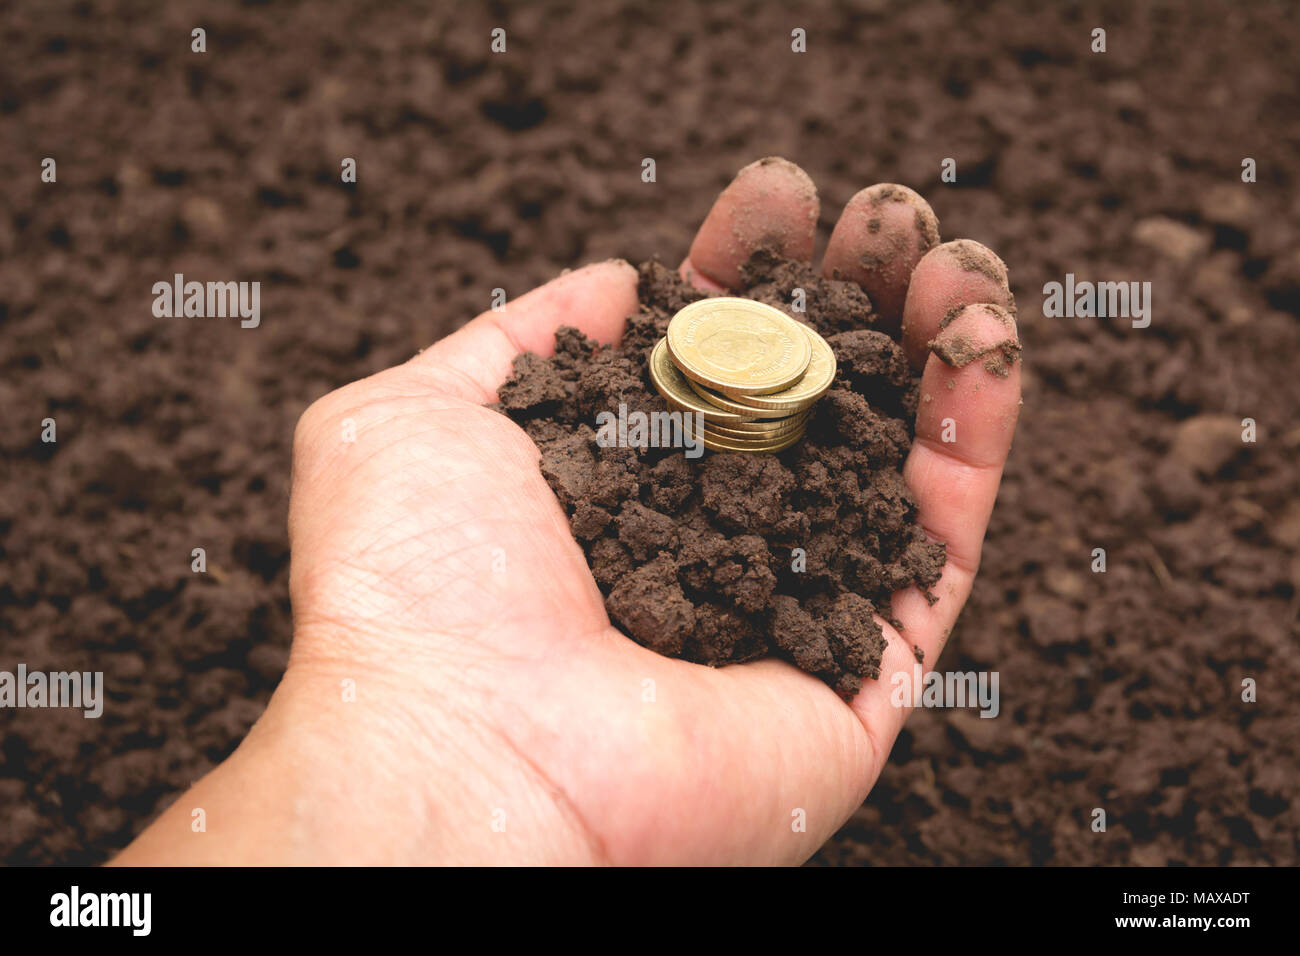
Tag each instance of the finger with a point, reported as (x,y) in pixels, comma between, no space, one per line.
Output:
(770,204)
(473,361)
(949,277)
(880,237)
(970,400)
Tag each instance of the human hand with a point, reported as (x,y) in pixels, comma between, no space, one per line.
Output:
(498,715)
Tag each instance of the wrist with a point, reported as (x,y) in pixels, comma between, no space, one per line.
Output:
(360,766)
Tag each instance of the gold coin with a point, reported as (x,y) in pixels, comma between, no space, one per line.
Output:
(718,400)
(672,385)
(719,444)
(748,438)
(773,430)
(738,406)
(816,380)
(738,346)
(765,425)
(771,419)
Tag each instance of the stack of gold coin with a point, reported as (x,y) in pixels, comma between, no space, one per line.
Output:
(749,371)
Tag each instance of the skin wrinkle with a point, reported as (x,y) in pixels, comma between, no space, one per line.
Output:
(440,559)
(946,450)
(482,398)
(376,551)
(357,661)
(341,485)
(562,799)
(458,654)
(372,423)
(559,800)
(351,561)
(498,322)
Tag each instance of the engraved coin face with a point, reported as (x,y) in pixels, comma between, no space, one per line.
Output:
(803,393)
(738,346)
(735,349)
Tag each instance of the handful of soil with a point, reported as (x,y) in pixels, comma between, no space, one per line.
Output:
(732,556)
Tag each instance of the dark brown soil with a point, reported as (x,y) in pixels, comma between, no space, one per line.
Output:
(1119,690)
(697,558)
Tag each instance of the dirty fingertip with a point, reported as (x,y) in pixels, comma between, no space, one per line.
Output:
(983,332)
(771,204)
(948,278)
(882,234)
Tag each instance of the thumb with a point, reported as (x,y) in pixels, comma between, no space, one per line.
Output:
(472,362)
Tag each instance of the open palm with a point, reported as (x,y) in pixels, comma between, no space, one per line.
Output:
(452,653)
